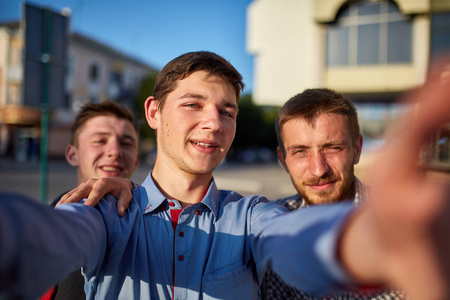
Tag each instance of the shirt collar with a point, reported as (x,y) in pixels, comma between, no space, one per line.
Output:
(151,197)
(361,192)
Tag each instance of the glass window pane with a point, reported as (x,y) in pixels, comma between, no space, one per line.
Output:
(440,32)
(344,12)
(368,44)
(392,8)
(444,144)
(399,42)
(368,8)
(337,45)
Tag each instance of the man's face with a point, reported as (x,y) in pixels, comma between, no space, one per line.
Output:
(107,147)
(320,158)
(196,126)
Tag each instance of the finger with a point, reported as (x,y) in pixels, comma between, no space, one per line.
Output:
(63,199)
(78,193)
(100,188)
(123,201)
(75,195)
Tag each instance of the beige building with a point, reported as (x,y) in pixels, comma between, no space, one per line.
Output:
(372,51)
(94,72)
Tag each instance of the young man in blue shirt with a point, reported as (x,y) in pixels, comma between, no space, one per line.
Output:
(104,143)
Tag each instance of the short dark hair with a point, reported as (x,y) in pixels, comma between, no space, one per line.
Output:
(186,64)
(92,110)
(314,102)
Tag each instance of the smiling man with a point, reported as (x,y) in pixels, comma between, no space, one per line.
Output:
(104,143)
(319,143)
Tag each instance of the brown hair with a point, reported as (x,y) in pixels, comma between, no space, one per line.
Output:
(186,64)
(92,110)
(314,102)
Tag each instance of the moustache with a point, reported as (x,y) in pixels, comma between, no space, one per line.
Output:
(322,180)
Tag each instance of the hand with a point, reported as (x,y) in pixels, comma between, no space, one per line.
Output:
(405,225)
(94,189)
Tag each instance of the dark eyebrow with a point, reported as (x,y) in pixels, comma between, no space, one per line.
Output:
(101,134)
(297,147)
(330,144)
(335,143)
(193,95)
(230,104)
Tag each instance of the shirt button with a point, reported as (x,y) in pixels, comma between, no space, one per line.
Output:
(181,233)
(180,257)
(171,204)
(197,212)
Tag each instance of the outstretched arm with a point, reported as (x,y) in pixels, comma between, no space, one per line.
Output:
(40,245)
(402,235)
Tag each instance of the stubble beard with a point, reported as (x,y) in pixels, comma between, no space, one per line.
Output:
(343,190)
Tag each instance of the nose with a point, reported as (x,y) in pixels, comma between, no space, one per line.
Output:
(212,121)
(318,165)
(114,149)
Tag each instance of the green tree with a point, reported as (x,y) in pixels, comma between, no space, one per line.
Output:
(145,90)
(255,127)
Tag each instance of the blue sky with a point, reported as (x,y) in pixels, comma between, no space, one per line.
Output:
(156,31)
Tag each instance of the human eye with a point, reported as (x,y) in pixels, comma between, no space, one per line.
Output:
(192,105)
(127,144)
(301,152)
(99,141)
(334,149)
(226,113)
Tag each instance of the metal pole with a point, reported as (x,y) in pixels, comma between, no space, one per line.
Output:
(45,59)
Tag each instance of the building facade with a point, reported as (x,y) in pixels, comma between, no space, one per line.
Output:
(372,51)
(94,72)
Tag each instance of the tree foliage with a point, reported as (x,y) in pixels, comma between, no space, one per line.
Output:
(255,128)
(145,91)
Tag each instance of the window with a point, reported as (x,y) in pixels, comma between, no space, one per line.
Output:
(93,73)
(438,154)
(440,33)
(369,33)
(94,83)
(114,86)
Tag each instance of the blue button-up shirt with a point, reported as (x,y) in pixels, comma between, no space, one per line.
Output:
(220,248)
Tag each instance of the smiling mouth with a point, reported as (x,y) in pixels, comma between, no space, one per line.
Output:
(204,145)
(322,183)
(110,169)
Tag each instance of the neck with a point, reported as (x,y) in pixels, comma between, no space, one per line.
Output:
(351,192)
(187,188)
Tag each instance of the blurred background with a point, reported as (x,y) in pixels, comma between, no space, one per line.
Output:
(56,55)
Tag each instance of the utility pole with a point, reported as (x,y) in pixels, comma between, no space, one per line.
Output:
(45,59)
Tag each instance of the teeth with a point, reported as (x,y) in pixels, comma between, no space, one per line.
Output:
(110,169)
(205,145)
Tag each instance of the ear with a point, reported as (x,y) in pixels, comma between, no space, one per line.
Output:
(282,158)
(358,149)
(72,155)
(152,112)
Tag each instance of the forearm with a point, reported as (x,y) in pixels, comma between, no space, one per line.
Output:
(40,245)
(301,247)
